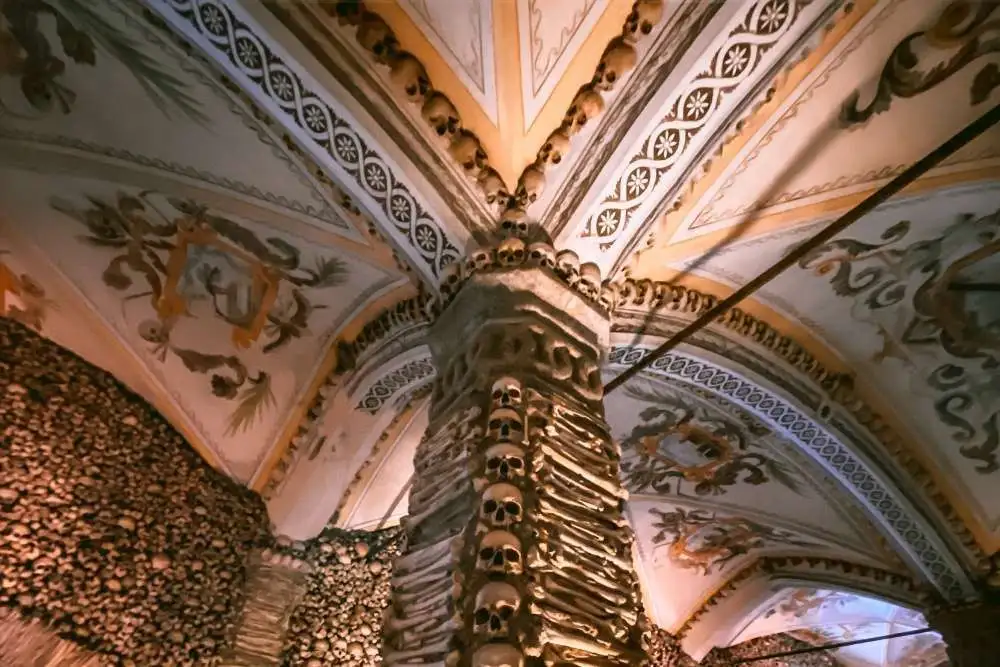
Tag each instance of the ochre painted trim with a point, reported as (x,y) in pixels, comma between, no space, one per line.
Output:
(326,366)
(510,103)
(579,72)
(443,78)
(809,342)
(645,262)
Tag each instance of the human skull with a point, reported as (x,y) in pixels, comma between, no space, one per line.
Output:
(467,151)
(568,264)
(409,76)
(500,551)
(590,279)
(451,279)
(506,426)
(513,222)
(609,296)
(497,655)
(511,252)
(375,36)
(618,59)
(347,13)
(501,505)
(555,147)
(505,462)
(644,16)
(586,106)
(493,187)
(531,184)
(479,260)
(496,604)
(441,114)
(541,254)
(506,393)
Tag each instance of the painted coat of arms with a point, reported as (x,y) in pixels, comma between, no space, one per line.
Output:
(188,262)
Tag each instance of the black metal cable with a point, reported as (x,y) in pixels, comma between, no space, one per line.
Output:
(832,647)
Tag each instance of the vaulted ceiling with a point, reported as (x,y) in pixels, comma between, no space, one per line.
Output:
(241,209)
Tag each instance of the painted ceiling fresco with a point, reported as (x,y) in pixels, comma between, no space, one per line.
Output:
(208,250)
(242,209)
(907,301)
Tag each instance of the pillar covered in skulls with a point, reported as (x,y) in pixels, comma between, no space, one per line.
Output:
(518,550)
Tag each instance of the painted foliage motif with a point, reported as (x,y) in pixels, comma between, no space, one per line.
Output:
(701,540)
(680,446)
(801,602)
(965,31)
(187,263)
(935,304)
(39,38)
(22,298)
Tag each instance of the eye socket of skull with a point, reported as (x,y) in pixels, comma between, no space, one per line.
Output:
(491,506)
(493,464)
(516,464)
(482,616)
(505,426)
(512,508)
(511,554)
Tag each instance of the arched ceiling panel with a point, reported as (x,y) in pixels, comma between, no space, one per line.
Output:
(221,309)
(879,93)
(215,262)
(380,179)
(906,298)
(758,42)
(828,616)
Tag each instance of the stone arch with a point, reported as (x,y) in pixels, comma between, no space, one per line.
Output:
(819,434)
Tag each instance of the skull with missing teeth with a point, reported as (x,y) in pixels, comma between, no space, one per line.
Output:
(500,551)
(502,505)
(496,604)
(506,393)
(506,426)
(505,462)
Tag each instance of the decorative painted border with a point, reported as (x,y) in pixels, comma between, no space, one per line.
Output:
(217,29)
(883,503)
(634,300)
(325,214)
(396,380)
(735,61)
(905,589)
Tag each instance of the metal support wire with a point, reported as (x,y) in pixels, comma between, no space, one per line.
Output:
(831,647)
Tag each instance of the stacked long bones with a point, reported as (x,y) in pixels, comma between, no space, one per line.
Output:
(550,541)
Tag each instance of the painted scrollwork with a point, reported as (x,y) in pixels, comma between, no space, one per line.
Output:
(679,444)
(704,541)
(966,31)
(934,303)
(29,53)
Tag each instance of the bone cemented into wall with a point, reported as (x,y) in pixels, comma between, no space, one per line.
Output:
(113,531)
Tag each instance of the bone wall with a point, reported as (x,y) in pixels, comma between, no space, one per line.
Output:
(113,531)
(665,651)
(339,621)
